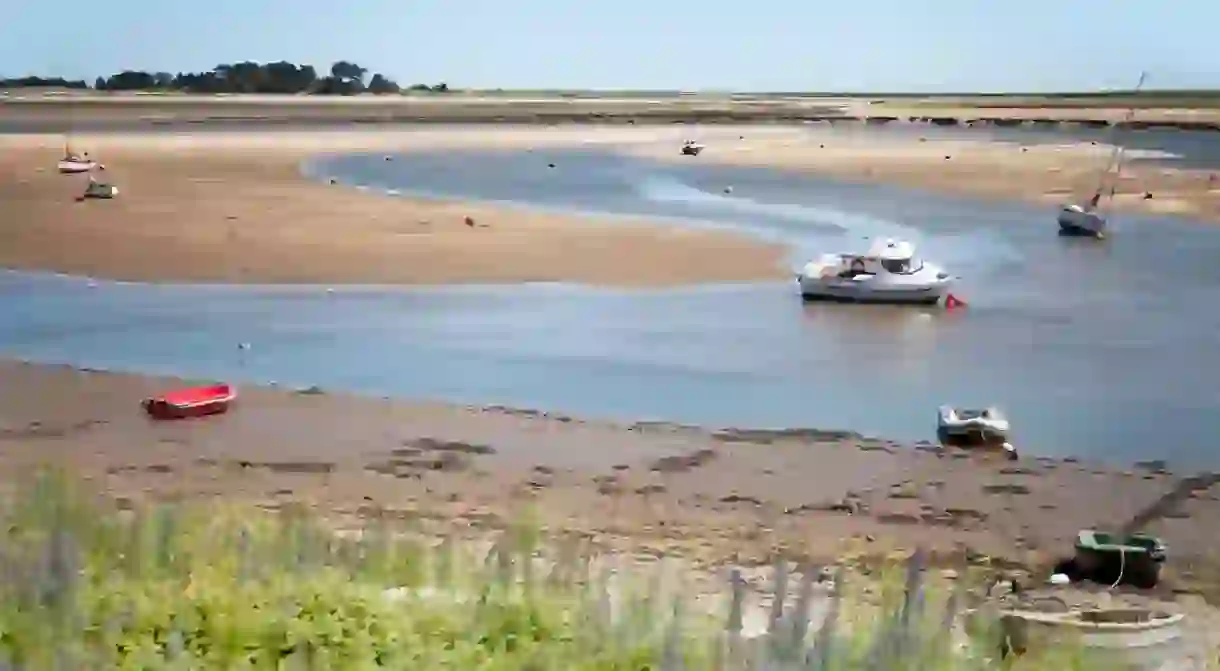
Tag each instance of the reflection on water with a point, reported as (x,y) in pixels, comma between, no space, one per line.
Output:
(1102,350)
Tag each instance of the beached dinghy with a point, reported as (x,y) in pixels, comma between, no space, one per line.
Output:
(888,273)
(191,402)
(987,425)
(97,189)
(691,148)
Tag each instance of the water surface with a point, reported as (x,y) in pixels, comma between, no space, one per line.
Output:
(1097,350)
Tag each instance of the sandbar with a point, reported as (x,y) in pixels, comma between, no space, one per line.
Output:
(234,207)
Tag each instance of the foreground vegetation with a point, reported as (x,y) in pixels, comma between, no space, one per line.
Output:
(190,587)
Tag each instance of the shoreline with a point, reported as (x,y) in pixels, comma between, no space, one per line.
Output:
(714,496)
(35,110)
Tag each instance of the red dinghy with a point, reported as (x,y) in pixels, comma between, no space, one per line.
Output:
(191,402)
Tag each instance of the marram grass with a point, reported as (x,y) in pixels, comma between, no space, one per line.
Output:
(83,586)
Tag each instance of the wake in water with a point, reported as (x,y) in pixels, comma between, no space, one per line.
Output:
(812,230)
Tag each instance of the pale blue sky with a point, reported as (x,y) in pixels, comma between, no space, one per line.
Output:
(867,45)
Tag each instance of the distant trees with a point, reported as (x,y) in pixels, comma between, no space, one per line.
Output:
(344,78)
(42,82)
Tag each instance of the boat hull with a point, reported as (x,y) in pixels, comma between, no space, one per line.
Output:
(1078,223)
(977,435)
(818,291)
(188,403)
(103,192)
(76,167)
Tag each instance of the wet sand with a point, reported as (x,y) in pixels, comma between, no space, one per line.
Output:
(1037,173)
(712,496)
(234,207)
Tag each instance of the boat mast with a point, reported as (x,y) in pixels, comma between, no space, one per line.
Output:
(1116,154)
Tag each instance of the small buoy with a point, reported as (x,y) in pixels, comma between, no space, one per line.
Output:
(469,221)
(952,302)
(821,146)
(550,165)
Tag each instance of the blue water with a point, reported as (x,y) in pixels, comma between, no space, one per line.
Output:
(1095,350)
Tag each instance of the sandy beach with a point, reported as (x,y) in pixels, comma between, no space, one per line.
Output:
(713,496)
(234,207)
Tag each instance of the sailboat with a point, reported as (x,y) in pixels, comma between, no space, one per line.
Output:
(73,163)
(1086,219)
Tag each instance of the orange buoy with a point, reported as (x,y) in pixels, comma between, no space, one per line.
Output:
(953,302)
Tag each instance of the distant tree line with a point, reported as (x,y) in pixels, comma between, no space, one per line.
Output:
(344,78)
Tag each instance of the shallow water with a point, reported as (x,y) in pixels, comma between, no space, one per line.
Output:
(1095,350)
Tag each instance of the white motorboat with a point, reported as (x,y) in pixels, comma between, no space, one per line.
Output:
(691,148)
(986,425)
(889,272)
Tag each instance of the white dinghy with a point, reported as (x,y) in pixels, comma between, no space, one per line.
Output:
(970,425)
(889,272)
(72,164)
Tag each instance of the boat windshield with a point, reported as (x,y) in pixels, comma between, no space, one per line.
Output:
(902,266)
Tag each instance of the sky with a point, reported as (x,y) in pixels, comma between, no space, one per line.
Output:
(761,45)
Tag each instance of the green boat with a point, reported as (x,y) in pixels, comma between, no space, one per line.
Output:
(1133,559)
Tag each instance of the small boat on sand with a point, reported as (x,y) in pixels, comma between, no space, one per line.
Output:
(889,272)
(969,425)
(103,190)
(191,402)
(691,148)
(73,163)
